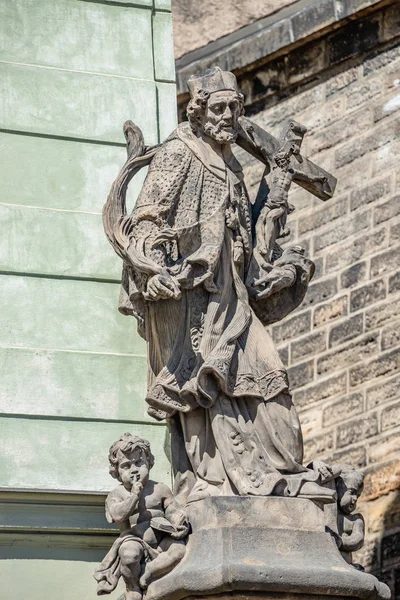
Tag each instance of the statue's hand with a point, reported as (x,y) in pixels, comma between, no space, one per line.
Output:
(161,287)
(274,281)
(137,488)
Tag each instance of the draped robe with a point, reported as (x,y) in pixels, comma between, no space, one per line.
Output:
(214,372)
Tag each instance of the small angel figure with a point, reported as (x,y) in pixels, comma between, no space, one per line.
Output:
(152,527)
(351,527)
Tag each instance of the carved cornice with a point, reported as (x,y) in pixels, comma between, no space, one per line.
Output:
(272,36)
(48,518)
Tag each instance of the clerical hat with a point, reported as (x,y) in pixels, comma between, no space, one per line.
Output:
(213,80)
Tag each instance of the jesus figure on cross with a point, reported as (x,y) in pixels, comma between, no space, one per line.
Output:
(203,275)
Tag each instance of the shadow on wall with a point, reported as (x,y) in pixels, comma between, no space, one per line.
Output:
(388,548)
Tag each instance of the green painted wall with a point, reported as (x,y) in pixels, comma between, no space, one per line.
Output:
(73,369)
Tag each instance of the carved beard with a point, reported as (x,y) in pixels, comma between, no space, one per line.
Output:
(220,135)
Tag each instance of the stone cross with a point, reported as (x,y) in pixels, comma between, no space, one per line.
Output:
(265,147)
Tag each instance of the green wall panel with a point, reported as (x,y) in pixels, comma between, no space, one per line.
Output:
(45,32)
(73,384)
(69,455)
(56,242)
(162,5)
(65,315)
(166,94)
(60,173)
(75,104)
(70,579)
(163,44)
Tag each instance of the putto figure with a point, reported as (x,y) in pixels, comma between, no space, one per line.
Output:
(152,528)
(203,274)
(351,526)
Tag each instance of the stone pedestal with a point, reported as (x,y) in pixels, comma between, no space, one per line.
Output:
(263,547)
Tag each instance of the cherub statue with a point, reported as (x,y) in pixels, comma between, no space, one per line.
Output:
(152,527)
(351,528)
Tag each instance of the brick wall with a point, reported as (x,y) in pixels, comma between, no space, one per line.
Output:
(342,346)
(338,73)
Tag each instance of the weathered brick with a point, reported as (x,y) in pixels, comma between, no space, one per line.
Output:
(316,119)
(380,60)
(350,227)
(394,283)
(383,512)
(383,134)
(320,391)
(390,548)
(387,105)
(356,430)
(339,82)
(370,192)
(308,62)
(390,336)
(346,330)
(326,214)
(384,448)
(320,291)
(340,131)
(356,37)
(301,374)
(395,233)
(317,446)
(368,555)
(268,80)
(319,267)
(350,405)
(358,248)
(311,420)
(391,22)
(385,158)
(310,344)
(347,355)
(383,392)
(385,262)
(363,91)
(352,175)
(353,275)
(292,327)
(391,417)
(284,354)
(382,314)
(367,294)
(330,311)
(387,210)
(354,455)
(312,18)
(386,364)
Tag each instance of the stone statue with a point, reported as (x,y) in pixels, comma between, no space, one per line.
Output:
(351,527)
(152,528)
(202,285)
(203,274)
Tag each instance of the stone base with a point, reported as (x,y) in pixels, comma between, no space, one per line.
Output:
(268,596)
(267,546)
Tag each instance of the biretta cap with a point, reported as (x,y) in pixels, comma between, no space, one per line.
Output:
(213,80)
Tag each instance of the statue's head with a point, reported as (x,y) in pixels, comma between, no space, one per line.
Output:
(130,459)
(349,486)
(215,105)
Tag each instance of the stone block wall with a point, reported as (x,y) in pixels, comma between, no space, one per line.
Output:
(342,346)
(337,71)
